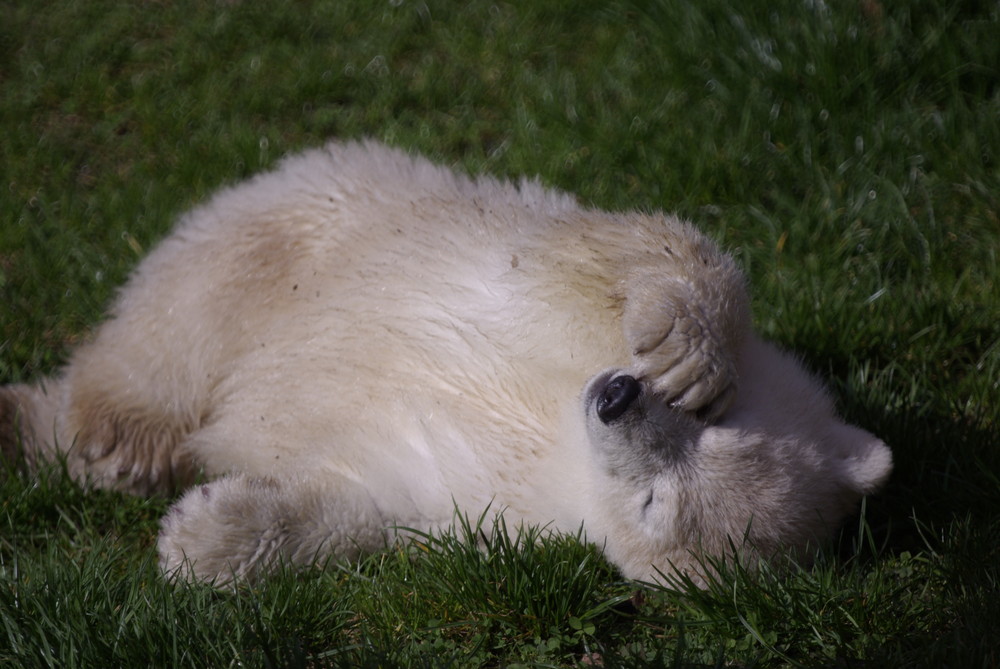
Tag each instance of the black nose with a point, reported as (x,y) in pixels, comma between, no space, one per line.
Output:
(616,397)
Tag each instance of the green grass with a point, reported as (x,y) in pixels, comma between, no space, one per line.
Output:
(848,153)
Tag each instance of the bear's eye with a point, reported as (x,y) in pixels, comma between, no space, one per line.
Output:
(616,397)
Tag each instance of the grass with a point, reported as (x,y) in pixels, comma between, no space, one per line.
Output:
(848,153)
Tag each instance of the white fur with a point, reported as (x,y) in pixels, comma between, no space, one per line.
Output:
(361,339)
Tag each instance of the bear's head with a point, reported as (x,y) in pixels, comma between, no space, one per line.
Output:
(778,472)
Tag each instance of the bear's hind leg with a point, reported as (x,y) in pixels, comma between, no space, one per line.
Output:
(107,440)
(240,526)
(128,448)
(27,417)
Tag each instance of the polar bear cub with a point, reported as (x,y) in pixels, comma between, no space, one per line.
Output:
(362,340)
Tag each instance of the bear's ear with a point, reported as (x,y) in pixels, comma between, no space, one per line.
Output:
(866,461)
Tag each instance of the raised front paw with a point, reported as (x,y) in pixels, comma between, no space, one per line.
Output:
(686,349)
